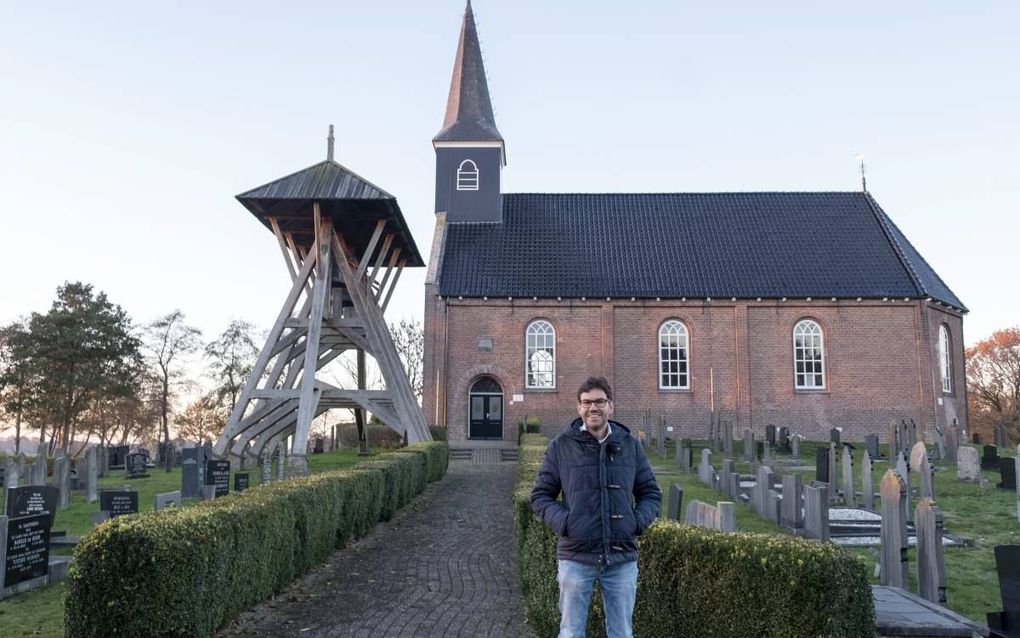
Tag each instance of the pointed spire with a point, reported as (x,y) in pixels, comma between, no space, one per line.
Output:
(469,115)
(329,144)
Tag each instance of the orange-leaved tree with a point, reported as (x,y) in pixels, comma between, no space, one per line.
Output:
(993,382)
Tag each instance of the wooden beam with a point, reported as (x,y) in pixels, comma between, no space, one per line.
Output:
(380,258)
(376,234)
(283,248)
(389,293)
(389,271)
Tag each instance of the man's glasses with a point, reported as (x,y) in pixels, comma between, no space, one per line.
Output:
(598,403)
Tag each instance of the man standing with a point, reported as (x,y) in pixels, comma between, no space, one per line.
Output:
(609,498)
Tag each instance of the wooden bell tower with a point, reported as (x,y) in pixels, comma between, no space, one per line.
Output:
(345,244)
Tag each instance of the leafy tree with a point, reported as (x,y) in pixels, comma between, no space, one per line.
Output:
(15,376)
(169,340)
(993,381)
(202,419)
(232,356)
(80,350)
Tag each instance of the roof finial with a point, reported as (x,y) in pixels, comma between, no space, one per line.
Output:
(329,144)
(864,180)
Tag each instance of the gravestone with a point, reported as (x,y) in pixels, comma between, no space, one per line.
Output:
(734,484)
(871,445)
(193,472)
(893,557)
(676,448)
(990,457)
(92,474)
(967,466)
(849,491)
(318,448)
(766,456)
(759,449)
(24,553)
(40,469)
(1007,566)
(917,453)
(267,467)
(894,439)
(136,465)
(705,469)
(904,471)
(728,438)
(795,445)
(1007,475)
(725,474)
(926,474)
(816,512)
(62,472)
(931,566)
(976,438)
(952,442)
(834,490)
(939,451)
(834,436)
(686,456)
(116,456)
(770,434)
(822,469)
(281,467)
(867,483)
(31,500)
(168,499)
(13,475)
(1001,439)
(676,497)
(760,493)
(118,502)
(720,516)
(241,481)
(784,441)
(217,475)
(790,513)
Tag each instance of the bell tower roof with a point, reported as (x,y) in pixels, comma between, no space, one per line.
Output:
(469,115)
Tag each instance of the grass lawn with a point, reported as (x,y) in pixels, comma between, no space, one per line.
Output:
(984,517)
(41,612)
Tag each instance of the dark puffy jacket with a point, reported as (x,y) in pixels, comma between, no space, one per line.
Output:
(609,494)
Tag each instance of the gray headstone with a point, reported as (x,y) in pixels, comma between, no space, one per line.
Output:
(729,467)
(12,475)
(281,468)
(39,470)
(952,442)
(867,483)
(676,498)
(705,469)
(772,501)
(795,445)
(931,566)
(267,467)
(926,474)
(748,444)
(894,439)
(686,456)
(833,480)
(760,494)
(918,452)
(791,514)
(784,441)
(968,467)
(92,474)
(893,557)
(834,436)
(816,512)
(193,472)
(823,470)
(62,472)
(849,491)
(871,445)
(168,499)
(770,434)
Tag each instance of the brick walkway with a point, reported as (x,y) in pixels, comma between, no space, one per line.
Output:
(442,567)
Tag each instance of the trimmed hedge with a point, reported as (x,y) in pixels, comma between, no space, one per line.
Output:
(186,572)
(700,582)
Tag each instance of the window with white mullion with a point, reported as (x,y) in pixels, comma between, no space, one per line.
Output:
(808,356)
(540,355)
(945,362)
(673,356)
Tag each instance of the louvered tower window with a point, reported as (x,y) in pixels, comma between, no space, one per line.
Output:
(467,176)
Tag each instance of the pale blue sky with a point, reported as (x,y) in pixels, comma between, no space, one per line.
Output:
(127,128)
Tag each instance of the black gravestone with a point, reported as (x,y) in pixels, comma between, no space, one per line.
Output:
(770,434)
(976,438)
(318,449)
(31,500)
(871,445)
(1006,623)
(989,457)
(241,482)
(822,464)
(217,473)
(117,456)
(1007,475)
(28,549)
(759,449)
(676,499)
(784,441)
(834,436)
(193,472)
(136,465)
(118,502)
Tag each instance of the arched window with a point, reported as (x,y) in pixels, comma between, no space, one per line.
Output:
(673,356)
(945,359)
(467,176)
(540,357)
(808,355)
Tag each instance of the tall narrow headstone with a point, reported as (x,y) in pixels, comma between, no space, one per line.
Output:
(823,470)
(705,469)
(748,444)
(816,512)
(784,441)
(281,469)
(968,467)
(62,472)
(676,447)
(39,470)
(728,438)
(867,483)
(13,475)
(676,497)
(834,436)
(766,456)
(92,474)
(952,442)
(686,456)
(926,474)
(849,491)
(871,445)
(904,471)
(918,452)
(894,439)
(931,566)
(791,514)
(795,445)
(770,434)
(833,477)
(894,530)
(267,467)
(729,466)
(761,493)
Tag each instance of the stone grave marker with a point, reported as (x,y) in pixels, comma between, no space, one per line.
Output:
(871,445)
(1001,440)
(822,468)
(720,516)
(136,465)
(917,453)
(725,474)
(193,472)
(849,491)
(13,475)
(24,553)
(318,447)
(904,471)
(784,441)
(790,513)
(686,456)
(894,439)
(30,500)
(931,566)
(833,477)
(267,467)
(92,474)
(217,475)
(116,456)
(734,485)
(39,470)
(168,499)
(676,497)
(241,481)
(705,469)
(118,502)
(759,449)
(62,472)
(926,474)
(867,483)
(676,448)
(834,436)
(770,434)
(939,451)
(816,512)
(281,455)
(976,438)
(795,445)
(990,457)
(967,466)
(1007,474)
(766,456)
(893,557)
(952,442)
(728,437)
(1007,566)
(910,427)
(760,493)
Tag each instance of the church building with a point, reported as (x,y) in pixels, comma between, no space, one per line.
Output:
(806,309)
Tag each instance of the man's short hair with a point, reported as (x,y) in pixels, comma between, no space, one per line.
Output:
(594,383)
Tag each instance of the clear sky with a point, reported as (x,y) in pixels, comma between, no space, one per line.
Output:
(126,128)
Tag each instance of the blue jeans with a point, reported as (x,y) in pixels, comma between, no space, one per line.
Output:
(619,589)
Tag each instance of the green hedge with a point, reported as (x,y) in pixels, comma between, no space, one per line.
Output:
(186,572)
(699,582)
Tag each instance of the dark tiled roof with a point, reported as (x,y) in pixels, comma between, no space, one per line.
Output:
(469,115)
(325,180)
(673,245)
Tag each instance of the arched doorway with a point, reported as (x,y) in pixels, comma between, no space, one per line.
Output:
(485,407)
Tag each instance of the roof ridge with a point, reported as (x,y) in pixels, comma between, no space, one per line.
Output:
(884,222)
(335,163)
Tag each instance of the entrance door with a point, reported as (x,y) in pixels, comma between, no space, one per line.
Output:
(485,403)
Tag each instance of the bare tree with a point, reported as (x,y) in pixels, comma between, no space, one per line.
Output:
(232,356)
(169,340)
(409,339)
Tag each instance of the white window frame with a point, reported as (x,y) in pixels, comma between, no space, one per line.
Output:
(674,338)
(467,178)
(540,356)
(808,355)
(945,359)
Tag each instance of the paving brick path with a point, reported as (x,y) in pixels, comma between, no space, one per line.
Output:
(442,567)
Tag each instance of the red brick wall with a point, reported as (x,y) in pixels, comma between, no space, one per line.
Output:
(878,362)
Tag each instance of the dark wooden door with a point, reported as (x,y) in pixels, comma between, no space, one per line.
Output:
(486,416)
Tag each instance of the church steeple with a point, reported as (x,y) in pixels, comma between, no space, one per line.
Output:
(469,115)
(470,153)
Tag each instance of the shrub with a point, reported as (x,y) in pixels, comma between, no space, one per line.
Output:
(699,582)
(379,436)
(186,572)
(438,432)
